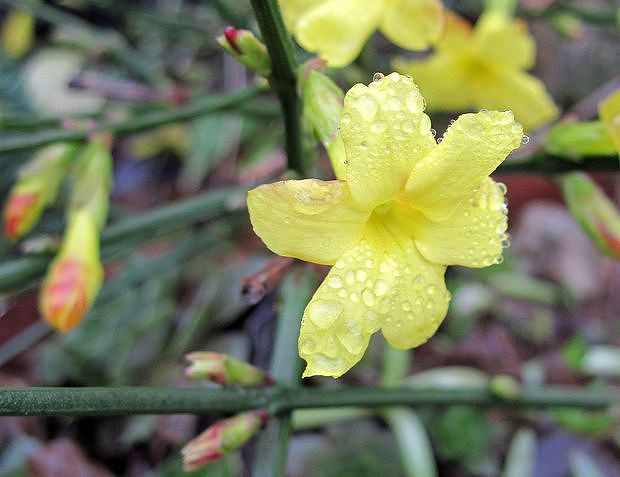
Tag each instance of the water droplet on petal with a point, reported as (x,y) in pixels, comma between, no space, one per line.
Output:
(378,76)
(323,313)
(525,139)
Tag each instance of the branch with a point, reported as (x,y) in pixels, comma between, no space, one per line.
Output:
(95,401)
(140,122)
(284,79)
(128,233)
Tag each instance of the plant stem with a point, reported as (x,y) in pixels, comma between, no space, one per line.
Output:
(97,401)
(140,122)
(126,234)
(272,445)
(284,77)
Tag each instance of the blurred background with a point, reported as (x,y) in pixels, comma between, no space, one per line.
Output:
(175,276)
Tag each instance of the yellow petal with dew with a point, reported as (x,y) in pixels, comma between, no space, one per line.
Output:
(376,285)
(385,132)
(441,78)
(416,300)
(609,112)
(472,147)
(520,92)
(502,41)
(312,220)
(474,235)
(413,24)
(338,29)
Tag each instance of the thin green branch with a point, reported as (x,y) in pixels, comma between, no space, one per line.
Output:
(127,234)
(145,400)
(272,445)
(139,122)
(284,77)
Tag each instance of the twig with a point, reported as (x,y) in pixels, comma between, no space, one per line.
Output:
(102,401)
(284,79)
(256,286)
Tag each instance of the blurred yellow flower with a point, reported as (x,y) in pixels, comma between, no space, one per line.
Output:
(338,29)
(403,208)
(483,67)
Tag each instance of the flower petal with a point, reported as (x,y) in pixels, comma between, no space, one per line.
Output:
(524,94)
(294,10)
(413,24)
(609,112)
(441,78)
(380,283)
(312,220)
(473,236)
(338,29)
(385,131)
(505,42)
(471,149)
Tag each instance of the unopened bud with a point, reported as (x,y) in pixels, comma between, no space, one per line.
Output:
(225,370)
(93,180)
(247,49)
(609,113)
(576,140)
(568,25)
(36,187)
(17,33)
(505,387)
(594,212)
(322,102)
(74,277)
(222,438)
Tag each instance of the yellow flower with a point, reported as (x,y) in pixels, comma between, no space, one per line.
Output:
(338,29)
(405,208)
(483,67)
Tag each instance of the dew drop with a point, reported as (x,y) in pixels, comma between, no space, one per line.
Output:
(354,297)
(369,263)
(371,321)
(378,76)
(349,278)
(406,306)
(433,132)
(335,281)
(502,187)
(431,289)
(525,139)
(342,293)
(368,297)
(361,275)
(308,346)
(378,127)
(323,313)
(381,287)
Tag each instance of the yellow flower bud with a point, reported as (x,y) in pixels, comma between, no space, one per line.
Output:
(36,187)
(74,277)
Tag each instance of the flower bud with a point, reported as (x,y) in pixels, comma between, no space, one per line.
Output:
(505,387)
(247,49)
(322,102)
(594,212)
(74,277)
(222,438)
(225,370)
(17,33)
(609,113)
(576,140)
(36,187)
(93,180)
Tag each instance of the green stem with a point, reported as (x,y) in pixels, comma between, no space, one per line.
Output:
(141,400)
(284,77)
(546,164)
(272,445)
(128,233)
(140,122)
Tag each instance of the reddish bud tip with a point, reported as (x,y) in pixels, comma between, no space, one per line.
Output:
(231,36)
(18,210)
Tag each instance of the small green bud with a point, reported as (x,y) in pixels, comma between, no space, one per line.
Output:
(577,140)
(322,102)
(247,49)
(505,387)
(225,370)
(609,113)
(594,212)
